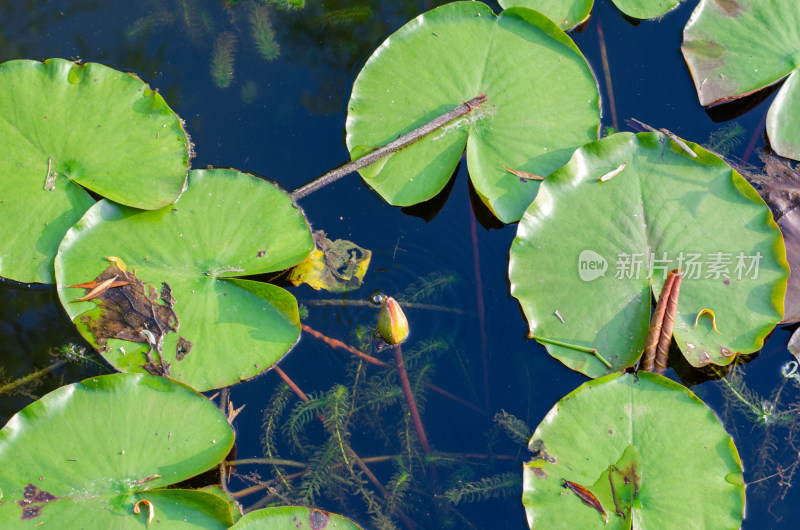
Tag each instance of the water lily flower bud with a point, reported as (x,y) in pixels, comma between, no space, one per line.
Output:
(392,323)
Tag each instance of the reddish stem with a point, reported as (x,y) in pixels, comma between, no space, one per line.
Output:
(337,344)
(370,475)
(412,406)
(481,312)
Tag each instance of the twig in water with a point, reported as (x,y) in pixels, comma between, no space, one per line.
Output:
(392,147)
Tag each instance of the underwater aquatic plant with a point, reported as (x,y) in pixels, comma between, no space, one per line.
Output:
(777,455)
(263,34)
(724,140)
(287,5)
(222,59)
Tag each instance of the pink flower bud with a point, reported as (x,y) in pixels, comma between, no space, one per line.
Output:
(392,323)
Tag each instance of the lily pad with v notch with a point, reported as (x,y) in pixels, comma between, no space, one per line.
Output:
(85,454)
(68,126)
(734,48)
(184,311)
(640,451)
(570,13)
(597,243)
(543,104)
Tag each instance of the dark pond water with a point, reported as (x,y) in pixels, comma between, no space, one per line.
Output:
(285,120)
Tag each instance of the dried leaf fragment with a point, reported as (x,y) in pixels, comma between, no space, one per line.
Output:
(150,508)
(143,480)
(586,496)
(97,291)
(92,284)
(118,262)
(713,319)
(132,312)
(50,179)
(523,174)
(613,173)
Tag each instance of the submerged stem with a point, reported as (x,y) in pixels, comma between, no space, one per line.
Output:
(412,405)
(31,377)
(392,147)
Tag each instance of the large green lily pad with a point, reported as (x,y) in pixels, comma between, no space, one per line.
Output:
(650,452)
(596,244)
(296,517)
(68,126)
(543,103)
(215,328)
(734,48)
(83,455)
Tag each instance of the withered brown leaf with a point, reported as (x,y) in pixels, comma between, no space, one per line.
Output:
(132,312)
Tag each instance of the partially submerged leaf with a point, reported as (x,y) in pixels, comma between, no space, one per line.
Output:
(790,227)
(650,452)
(335,266)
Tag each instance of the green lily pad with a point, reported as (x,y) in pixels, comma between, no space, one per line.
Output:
(734,48)
(789,223)
(570,13)
(645,9)
(296,517)
(212,329)
(567,14)
(234,507)
(84,455)
(597,243)
(536,115)
(783,124)
(648,450)
(68,126)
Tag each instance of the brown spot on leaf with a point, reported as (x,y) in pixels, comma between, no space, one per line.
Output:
(729,7)
(33,500)
(166,294)
(539,452)
(318,519)
(538,472)
(132,312)
(182,348)
(261,253)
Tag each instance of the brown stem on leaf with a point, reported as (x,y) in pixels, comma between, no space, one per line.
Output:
(662,351)
(654,358)
(392,147)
